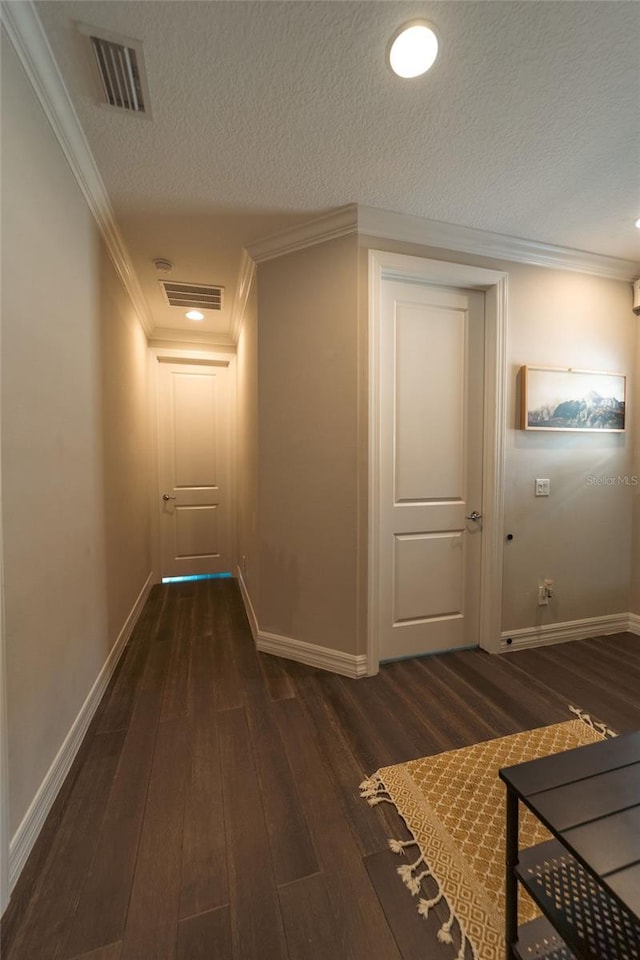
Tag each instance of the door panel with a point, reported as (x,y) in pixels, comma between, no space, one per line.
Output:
(194,427)
(429,462)
(428,576)
(194,468)
(197,531)
(431,401)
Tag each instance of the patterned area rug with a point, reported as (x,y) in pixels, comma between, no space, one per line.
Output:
(454,807)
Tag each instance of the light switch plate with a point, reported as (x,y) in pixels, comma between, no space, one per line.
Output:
(543,488)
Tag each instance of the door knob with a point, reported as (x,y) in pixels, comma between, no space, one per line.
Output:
(474,515)
(166,496)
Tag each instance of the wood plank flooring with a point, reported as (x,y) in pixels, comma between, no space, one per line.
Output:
(213,810)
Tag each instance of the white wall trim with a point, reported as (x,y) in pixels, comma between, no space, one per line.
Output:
(373,470)
(248,606)
(4,736)
(27,833)
(374,222)
(335,661)
(163,335)
(385,265)
(246,278)
(634,623)
(571,630)
(28,38)
(339,223)
(388,225)
(494,462)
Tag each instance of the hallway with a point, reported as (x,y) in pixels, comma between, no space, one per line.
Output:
(213,809)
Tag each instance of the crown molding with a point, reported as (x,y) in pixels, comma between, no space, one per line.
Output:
(339,223)
(388,225)
(28,39)
(161,335)
(246,277)
(27,36)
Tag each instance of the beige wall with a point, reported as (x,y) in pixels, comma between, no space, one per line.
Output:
(581,535)
(308,445)
(247,444)
(313,403)
(74,444)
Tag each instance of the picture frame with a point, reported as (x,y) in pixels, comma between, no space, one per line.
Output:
(567,399)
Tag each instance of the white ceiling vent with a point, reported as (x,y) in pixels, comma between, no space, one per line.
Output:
(194,296)
(118,69)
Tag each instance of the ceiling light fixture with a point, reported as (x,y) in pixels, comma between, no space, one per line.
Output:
(638,223)
(194,315)
(413,49)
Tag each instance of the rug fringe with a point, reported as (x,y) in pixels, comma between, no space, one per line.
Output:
(594,724)
(373,791)
(417,876)
(397,846)
(414,882)
(407,871)
(461,950)
(424,906)
(444,933)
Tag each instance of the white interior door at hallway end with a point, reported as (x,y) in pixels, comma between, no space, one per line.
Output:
(194,462)
(431,429)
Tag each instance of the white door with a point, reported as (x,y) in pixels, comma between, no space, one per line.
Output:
(194,468)
(431,429)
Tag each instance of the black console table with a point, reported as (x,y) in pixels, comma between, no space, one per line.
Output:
(586,881)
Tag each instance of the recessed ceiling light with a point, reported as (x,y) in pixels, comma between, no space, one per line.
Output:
(413,49)
(638,223)
(194,315)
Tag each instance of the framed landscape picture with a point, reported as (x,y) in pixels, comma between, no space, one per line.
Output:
(561,398)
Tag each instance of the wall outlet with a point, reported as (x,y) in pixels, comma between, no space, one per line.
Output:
(543,488)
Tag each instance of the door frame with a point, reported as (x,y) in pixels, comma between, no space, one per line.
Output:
(211,358)
(5,848)
(384,265)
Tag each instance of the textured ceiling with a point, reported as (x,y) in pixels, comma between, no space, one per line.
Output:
(266,114)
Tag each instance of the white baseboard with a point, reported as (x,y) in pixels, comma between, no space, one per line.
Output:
(27,833)
(346,664)
(248,606)
(634,623)
(560,632)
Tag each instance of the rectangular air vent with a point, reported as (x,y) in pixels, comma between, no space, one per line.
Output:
(195,296)
(119,74)
(118,67)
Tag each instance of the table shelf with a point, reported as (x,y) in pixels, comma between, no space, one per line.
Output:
(537,940)
(578,907)
(586,880)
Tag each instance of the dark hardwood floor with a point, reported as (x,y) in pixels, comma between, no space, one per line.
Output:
(213,811)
